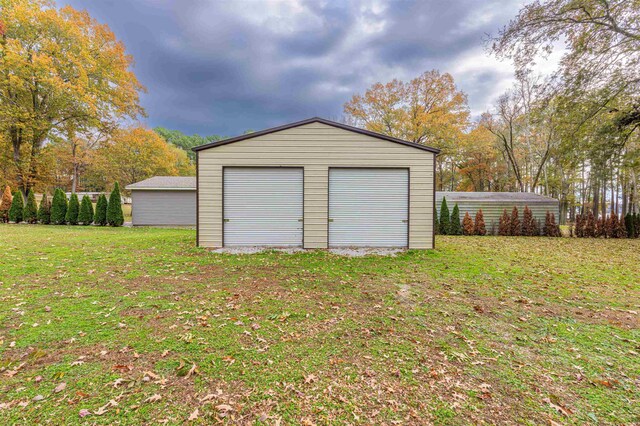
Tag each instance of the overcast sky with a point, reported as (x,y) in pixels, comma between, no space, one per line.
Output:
(223,67)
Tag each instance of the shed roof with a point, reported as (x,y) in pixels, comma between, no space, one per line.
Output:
(174,183)
(495,196)
(316,120)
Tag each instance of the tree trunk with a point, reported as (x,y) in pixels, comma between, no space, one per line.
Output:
(604,198)
(625,188)
(596,197)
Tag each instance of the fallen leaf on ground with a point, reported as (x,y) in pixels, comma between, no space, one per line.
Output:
(153,398)
(62,386)
(194,415)
(224,408)
(559,408)
(151,375)
(100,411)
(118,382)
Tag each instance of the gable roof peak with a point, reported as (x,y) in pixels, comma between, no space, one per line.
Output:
(316,120)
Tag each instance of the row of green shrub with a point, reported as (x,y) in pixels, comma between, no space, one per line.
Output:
(59,211)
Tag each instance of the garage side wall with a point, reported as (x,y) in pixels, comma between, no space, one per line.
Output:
(316,147)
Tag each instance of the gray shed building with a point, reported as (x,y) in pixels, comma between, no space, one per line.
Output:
(494,203)
(164,201)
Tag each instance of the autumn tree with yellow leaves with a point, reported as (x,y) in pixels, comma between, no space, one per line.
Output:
(136,153)
(59,69)
(428,110)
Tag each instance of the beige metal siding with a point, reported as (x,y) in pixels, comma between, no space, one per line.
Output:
(316,147)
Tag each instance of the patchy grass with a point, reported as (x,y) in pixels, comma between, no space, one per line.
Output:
(143,327)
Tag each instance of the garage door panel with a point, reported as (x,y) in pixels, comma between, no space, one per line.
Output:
(368,207)
(263,206)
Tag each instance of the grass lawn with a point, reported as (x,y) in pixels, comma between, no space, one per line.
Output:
(104,325)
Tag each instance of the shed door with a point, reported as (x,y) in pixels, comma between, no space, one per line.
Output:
(368,207)
(263,206)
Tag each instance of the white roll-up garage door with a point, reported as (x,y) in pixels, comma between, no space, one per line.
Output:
(368,207)
(263,206)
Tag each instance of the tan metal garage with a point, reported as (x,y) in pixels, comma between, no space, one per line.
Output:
(315,184)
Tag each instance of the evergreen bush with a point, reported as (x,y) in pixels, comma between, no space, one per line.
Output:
(622,227)
(436,224)
(5,204)
(516,226)
(17,208)
(599,230)
(455,227)
(115,217)
(589,228)
(30,213)
(504,228)
(73,209)
(479,227)
(547,231)
(445,221)
(636,221)
(58,207)
(579,227)
(467,224)
(528,227)
(611,226)
(85,216)
(556,226)
(100,215)
(629,222)
(537,227)
(44,211)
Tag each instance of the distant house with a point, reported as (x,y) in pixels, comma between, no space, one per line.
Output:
(164,201)
(494,203)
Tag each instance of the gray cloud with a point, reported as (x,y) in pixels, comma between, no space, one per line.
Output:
(224,67)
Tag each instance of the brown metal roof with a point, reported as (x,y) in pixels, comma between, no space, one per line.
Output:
(316,120)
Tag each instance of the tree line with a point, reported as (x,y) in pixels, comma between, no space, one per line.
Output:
(572,135)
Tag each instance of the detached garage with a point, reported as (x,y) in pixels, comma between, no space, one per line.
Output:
(163,201)
(315,184)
